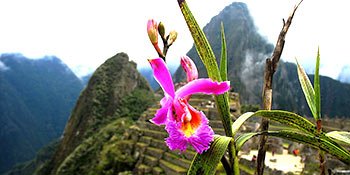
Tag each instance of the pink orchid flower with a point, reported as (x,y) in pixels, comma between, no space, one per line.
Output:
(184,123)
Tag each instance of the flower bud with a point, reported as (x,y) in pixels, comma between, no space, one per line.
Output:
(172,36)
(161,29)
(152,30)
(190,68)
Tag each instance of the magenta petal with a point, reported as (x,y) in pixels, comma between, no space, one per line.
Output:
(162,75)
(200,139)
(203,85)
(203,136)
(176,139)
(161,117)
(164,100)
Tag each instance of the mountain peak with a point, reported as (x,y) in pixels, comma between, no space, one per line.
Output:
(99,103)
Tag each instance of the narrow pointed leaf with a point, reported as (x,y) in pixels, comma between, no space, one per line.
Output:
(242,139)
(317,88)
(341,136)
(238,123)
(202,45)
(307,89)
(320,143)
(207,55)
(223,61)
(289,119)
(294,136)
(207,162)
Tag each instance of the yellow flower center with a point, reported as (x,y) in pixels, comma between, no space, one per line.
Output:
(187,128)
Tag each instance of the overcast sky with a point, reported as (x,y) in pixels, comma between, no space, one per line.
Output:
(84,33)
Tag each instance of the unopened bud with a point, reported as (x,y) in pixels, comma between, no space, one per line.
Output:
(172,36)
(161,29)
(152,30)
(190,68)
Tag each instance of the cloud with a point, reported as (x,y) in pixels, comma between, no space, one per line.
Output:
(3,67)
(344,75)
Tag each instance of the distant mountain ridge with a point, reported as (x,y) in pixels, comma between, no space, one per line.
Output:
(246,54)
(36,99)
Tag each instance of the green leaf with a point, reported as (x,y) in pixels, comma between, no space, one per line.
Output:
(289,119)
(242,139)
(321,143)
(317,87)
(307,89)
(207,55)
(223,61)
(341,136)
(200,41)
(238,123)
(207,162)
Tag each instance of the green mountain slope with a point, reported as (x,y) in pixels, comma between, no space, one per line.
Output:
(36,99)
(246,54)
(115,90)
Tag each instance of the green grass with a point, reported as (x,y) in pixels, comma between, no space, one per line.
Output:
(172,166)
(246,169)
(285,145)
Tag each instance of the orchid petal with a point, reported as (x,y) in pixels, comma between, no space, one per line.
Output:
(176,139)
(190,68)
(204,85)
(162,75)
(165,100)
(180,107)
(204,135)
(200,139)
(161,117)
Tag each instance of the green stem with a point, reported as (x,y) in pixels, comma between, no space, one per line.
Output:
(165,45)
(235,165)
(226,165)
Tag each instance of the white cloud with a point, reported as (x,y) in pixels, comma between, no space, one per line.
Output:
(3,67)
